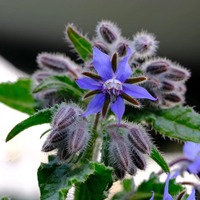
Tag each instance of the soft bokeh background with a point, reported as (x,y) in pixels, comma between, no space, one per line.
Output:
(30,27)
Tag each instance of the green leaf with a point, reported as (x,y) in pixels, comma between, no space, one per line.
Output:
(17,95)
(60,83)
(156,156)
(81,44)
(41,117)
(182,123)
(5,198)
(128,184)
(55,180)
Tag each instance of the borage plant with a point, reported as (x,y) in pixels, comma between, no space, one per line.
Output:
(97,146)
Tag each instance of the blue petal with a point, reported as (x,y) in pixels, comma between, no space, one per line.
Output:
(89,83)
(124,71)
(102,64)
(191,149)
(95,105)
(136,91)
(167,196)
(153,195)
(195,166)
(118,108)
(192,195)
(177,173)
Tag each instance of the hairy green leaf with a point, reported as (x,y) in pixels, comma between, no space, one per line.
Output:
(80,43)
(181,123)
(17,95)
(156,156)
(55,180)
(60,83)
(41,117)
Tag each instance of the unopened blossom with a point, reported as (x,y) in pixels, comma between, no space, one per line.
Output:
(167,196)
(111,85)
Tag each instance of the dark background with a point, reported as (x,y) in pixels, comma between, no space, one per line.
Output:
(30,27)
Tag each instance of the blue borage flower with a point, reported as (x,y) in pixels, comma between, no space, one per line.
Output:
(111,85)
(167,196)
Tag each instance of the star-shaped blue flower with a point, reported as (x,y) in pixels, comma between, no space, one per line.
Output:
(111,85)
(167,196)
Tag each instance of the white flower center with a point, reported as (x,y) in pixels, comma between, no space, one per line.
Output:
(113,88)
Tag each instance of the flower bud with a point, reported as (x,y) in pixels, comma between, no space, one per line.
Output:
(138,159)
(145,44)
(119,151)
(108,32)
(156,94)
(132,171)
(101,46)
(63,153)
(78,138)
(139,139)
(122,49)
(157,67)
(57,136)
(58,63)
(47,146)
(167,86)
(65,117)
(41,75)
(120,173)
(175,98)
(177,74)
(153,83)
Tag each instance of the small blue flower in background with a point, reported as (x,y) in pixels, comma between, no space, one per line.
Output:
(110,85)
(192,159)
(167,196)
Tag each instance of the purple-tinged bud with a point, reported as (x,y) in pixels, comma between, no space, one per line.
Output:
(101,46)
(157,67)
(78,138)
(138,159)
(108,32)
(156,94)
(145,44)
(122,49)
(47,146)
(174,98)
(41,75)
(132,171)
(65,117)
(120,173)
(167,86)
(153,82)
(63,153)
(119,151)
(58,63)
(57,136)
(139,139)
(181,88)
(177,74)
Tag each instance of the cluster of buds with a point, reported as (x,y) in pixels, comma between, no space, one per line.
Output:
(166,82)
(69,133)
(126,151)
(53,64)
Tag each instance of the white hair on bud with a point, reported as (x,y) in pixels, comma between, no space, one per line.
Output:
(114,28)
(144,44)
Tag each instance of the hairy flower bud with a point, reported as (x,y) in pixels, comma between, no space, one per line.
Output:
(58,63)
(41,75)
(120,173)
(63,153)
(145,44)
(139,139)
(132,171)
(167,86)
(138,159)
(119,151)
(122,49)
(153,83)
(157,67)
(175,98)
(177,74)
(64,117)
(47,146)
(57,136)
(78,138)
(108,31)
(101,46)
